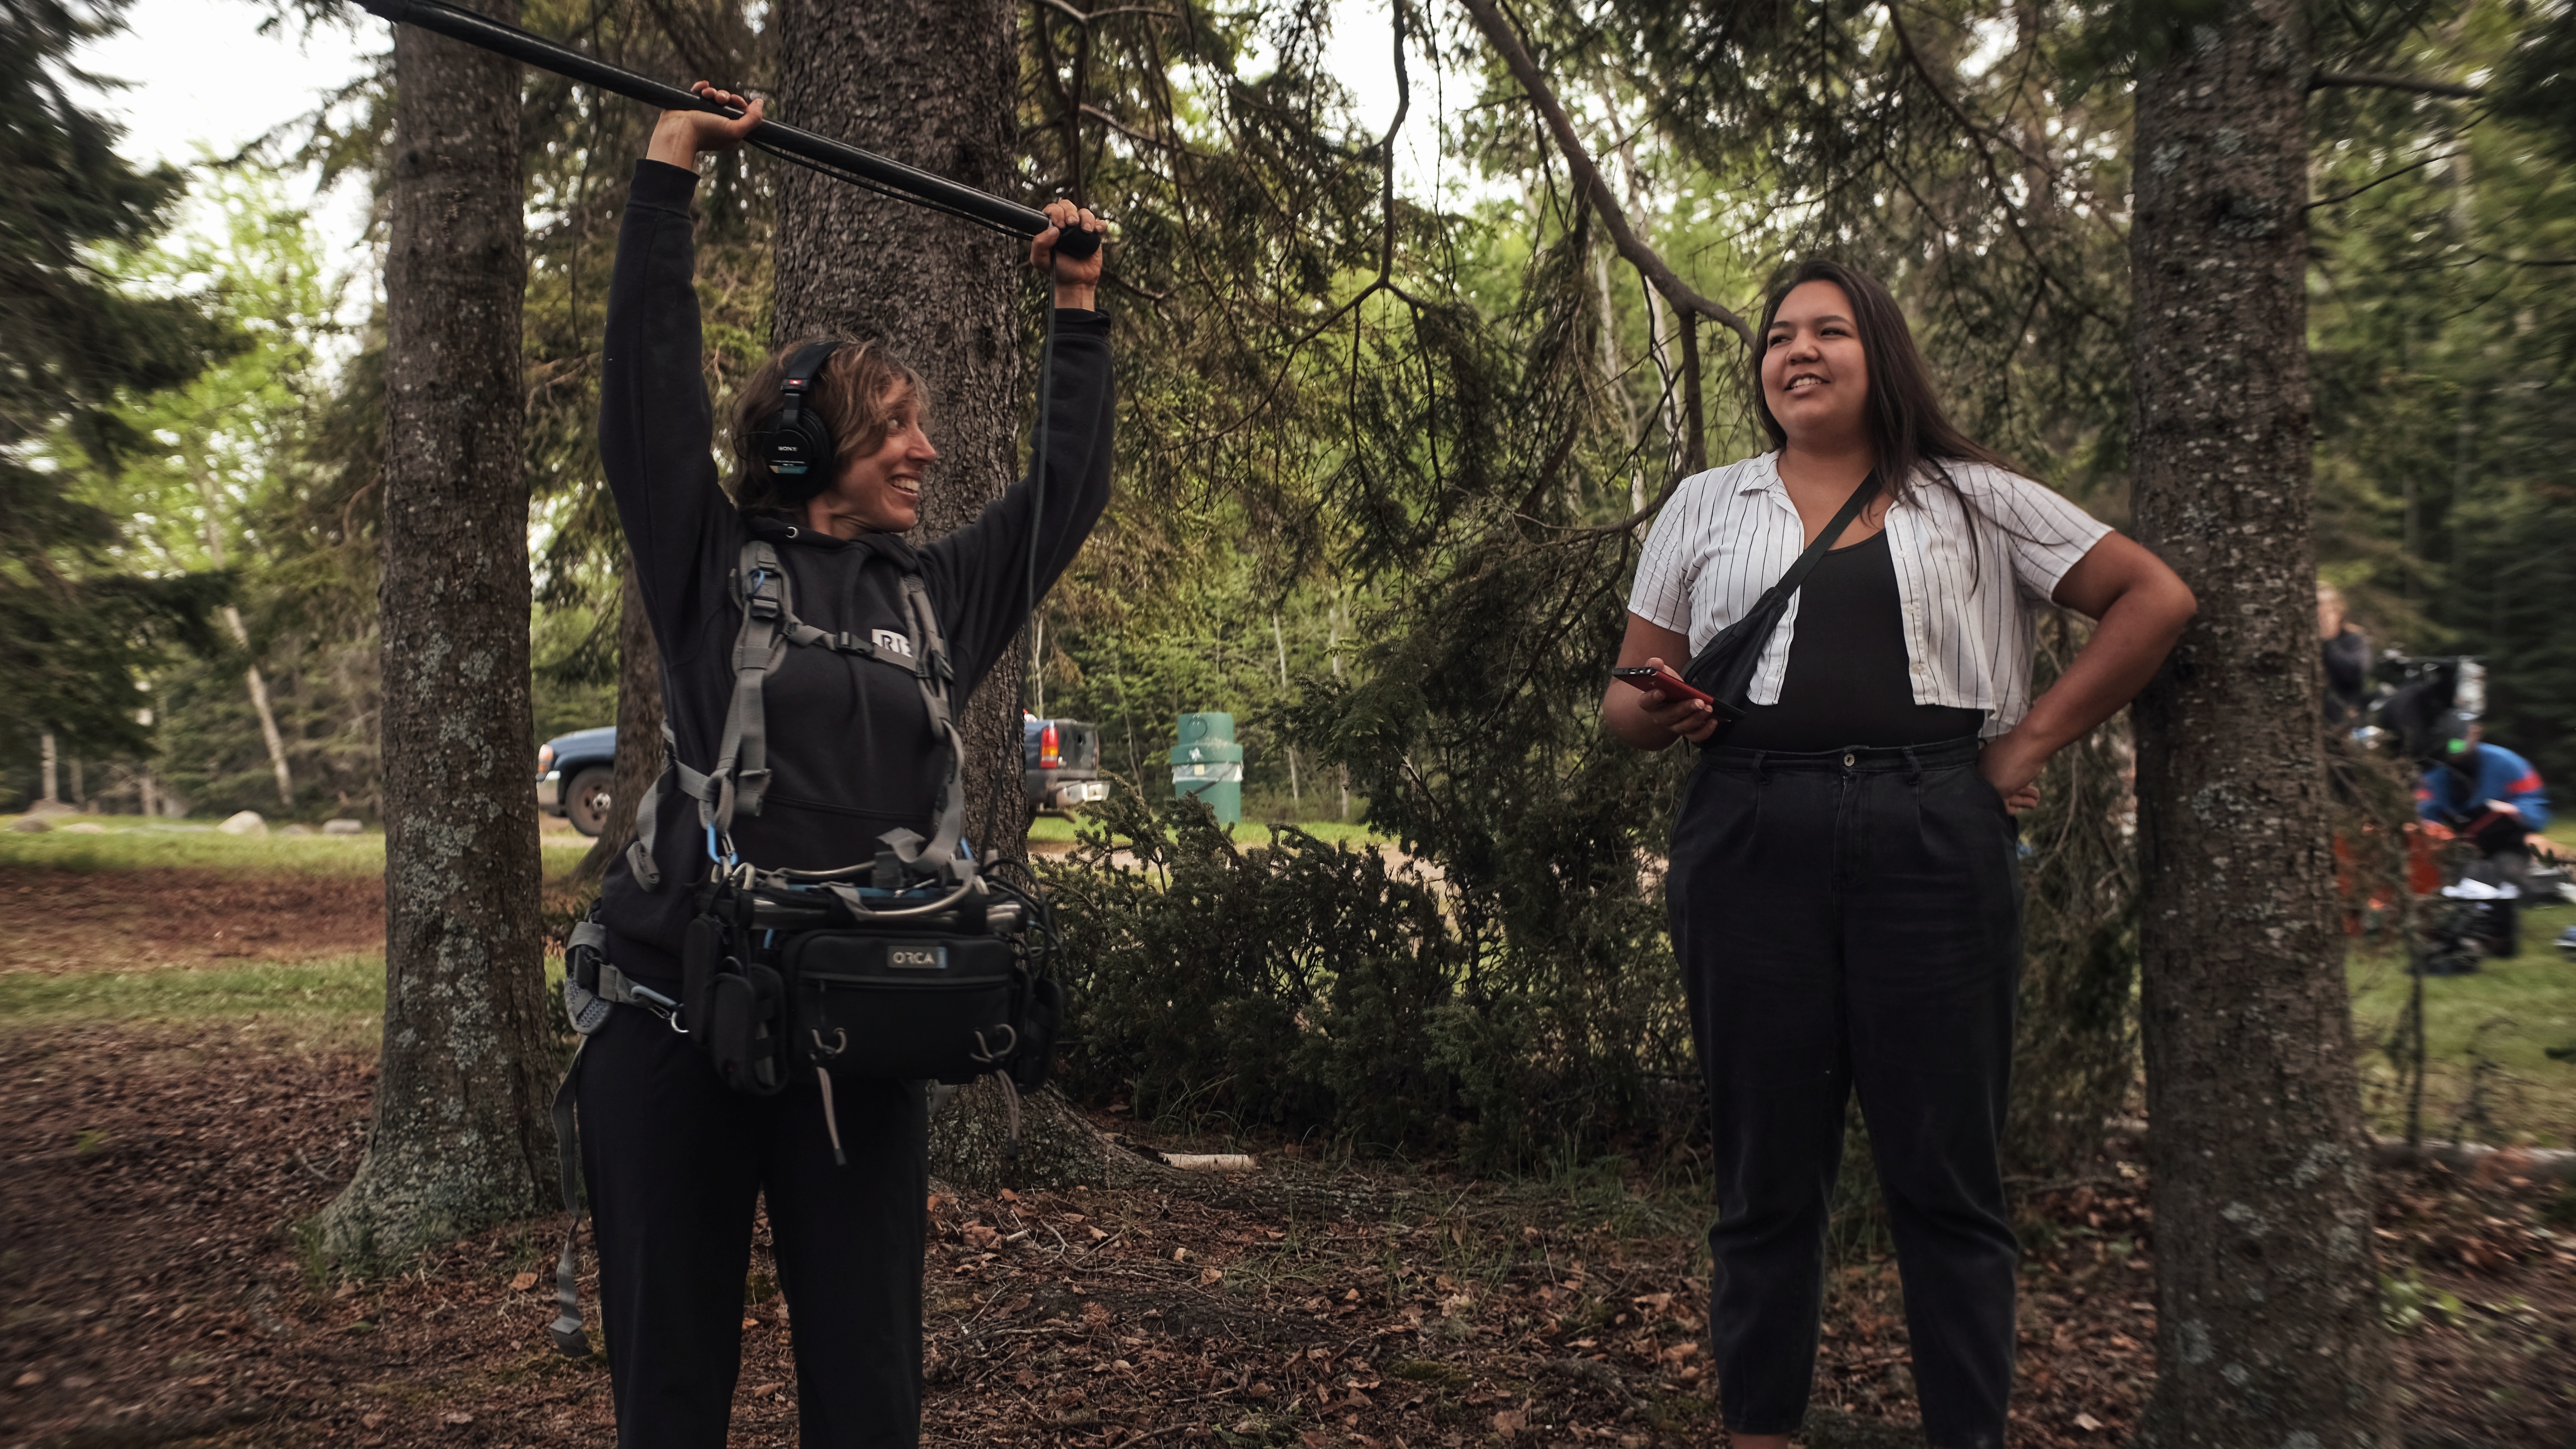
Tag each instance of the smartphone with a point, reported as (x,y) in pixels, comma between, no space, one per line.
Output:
(1648,676)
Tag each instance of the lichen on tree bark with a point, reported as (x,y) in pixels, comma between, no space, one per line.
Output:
(2267,1314)
(461,1137)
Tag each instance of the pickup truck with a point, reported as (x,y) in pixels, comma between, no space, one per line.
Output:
(573,772)
(1060,761)
(1060,758)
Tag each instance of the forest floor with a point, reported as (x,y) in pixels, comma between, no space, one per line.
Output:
(189,1083)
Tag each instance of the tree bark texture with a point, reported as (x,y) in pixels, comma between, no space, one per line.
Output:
(932,83)
(2268,1330)
(639,731)
(461,1136)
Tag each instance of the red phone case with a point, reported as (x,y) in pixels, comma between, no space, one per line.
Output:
(1664,679)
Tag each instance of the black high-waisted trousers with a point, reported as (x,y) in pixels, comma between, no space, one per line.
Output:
(1852,920)
(675,1162)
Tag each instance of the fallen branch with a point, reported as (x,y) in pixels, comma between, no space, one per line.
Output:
(144,1433)
(2557,1162)
(1209,1161)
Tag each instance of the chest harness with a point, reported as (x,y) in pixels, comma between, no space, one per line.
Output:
(913,966)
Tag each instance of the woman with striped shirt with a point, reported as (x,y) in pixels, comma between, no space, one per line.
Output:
(1845,891)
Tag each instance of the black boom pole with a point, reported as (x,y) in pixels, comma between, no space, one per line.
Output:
(834,158)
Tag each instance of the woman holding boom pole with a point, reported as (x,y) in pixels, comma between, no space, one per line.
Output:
(832,448)
(1845,889)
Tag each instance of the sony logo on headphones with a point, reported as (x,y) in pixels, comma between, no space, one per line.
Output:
(917,958)
(892,642)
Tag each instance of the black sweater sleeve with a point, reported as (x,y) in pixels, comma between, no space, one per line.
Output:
(656,428)
(978,576)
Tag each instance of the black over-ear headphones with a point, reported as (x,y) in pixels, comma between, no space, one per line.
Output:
(794,442)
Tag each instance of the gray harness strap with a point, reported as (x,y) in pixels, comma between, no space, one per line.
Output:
(741,776)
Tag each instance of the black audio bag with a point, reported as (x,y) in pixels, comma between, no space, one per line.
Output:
(912,966)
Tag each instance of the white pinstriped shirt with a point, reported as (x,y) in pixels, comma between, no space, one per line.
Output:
(1971,584)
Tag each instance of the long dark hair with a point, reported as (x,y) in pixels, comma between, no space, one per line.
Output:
(1904,417)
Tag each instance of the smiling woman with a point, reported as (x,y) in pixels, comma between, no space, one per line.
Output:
(1845,889)
(870,405)
(834,761)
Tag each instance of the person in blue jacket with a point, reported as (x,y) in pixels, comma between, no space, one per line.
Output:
(2492,798)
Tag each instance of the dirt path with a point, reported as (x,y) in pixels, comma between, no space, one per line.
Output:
(152,1181)
(139,920)
(150,1188)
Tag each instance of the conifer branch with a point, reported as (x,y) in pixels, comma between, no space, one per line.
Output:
(2376,80)
(1499,34)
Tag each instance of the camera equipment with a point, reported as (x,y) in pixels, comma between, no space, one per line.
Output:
(2423,704)
(832,158)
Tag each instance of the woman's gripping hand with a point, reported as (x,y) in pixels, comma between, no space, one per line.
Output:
(1075,281)
(680,135)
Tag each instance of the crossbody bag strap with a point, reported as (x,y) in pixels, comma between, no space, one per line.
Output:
(1806,564)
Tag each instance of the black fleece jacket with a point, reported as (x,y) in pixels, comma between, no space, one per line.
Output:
(850,745)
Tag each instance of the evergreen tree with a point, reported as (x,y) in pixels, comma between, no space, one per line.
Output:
(73,630)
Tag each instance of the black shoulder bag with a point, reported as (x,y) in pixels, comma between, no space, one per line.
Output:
(1724,670)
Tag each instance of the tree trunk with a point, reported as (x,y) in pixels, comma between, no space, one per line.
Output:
(2267,1315)
(461,1136)
(932,83)
(639,732)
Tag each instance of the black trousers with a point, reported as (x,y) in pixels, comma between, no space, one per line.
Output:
(1852,921)
(674,1161)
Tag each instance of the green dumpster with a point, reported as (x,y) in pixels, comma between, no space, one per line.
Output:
(1208,763)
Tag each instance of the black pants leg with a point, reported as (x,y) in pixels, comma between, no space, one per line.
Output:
(1849,926)
(674,1163)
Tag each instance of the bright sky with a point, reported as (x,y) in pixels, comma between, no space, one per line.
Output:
(203,76)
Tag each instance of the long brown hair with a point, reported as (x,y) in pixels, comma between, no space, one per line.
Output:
(1903,413)
(856,394)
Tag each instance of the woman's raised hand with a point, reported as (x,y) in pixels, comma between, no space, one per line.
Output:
(681,135)
(1074,280)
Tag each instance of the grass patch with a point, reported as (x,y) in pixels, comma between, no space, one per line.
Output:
(1058,829)
(349,986)
(132,844)
(2487,1039)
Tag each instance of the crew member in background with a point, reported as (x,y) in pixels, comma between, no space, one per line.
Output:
(2492,798)
(2347,652)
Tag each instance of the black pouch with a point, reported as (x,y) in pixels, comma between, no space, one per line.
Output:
(873,1003)
(745,1029)
(1038,1027)
(702,956)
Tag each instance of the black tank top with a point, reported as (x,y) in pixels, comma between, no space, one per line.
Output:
(1848,681)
